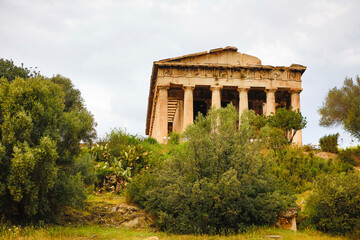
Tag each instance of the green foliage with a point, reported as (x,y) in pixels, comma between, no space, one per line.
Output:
(217,182)
(40,134)
(69,190)
(85,165)
(350,155)
(10,71)
(310,147)
(298,171)
(334,206)
(118,159)
(174,138)
(289,121)
(329,143)
(342,107)
(150,140)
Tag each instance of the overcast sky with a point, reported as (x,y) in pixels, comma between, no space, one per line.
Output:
(107,48)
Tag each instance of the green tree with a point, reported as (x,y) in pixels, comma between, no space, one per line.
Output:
(342,107)
(289,121)
(217,182)
(9,70)
(42,122)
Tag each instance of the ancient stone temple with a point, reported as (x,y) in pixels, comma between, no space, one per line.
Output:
(182,87)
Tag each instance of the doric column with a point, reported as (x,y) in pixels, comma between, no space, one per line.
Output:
(188,106)
(163,113)
(243,99)
(216,96)
(270,100)
(295,98)
(295,104)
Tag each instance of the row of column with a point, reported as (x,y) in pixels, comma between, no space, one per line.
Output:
(162,108)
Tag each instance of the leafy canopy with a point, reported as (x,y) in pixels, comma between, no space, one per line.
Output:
(287,121)
(42,121)
(342,107)
(9,70)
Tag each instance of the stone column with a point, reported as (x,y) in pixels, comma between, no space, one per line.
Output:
(216,96)
(163,113)
(179,117)
(270,100)
(295,98)
(188,106)
(295,105)
(243,99)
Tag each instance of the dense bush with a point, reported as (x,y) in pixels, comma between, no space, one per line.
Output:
(216,182)
(42,122)
(350,155)
(329,143)
(334,206)
(298,171)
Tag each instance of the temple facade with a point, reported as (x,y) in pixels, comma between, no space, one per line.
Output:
(182,87)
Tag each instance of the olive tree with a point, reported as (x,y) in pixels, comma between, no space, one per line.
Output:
(42,122)
(342,107)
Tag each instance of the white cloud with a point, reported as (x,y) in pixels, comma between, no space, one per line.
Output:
(323,11)
(350,57)
(107,47)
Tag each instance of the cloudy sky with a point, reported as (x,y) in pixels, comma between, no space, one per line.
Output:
(107,47)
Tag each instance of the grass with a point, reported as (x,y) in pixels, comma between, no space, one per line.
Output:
(106,199)
(106,233)
(96,232)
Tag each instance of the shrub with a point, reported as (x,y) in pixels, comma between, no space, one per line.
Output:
(329,143)
(298,171)
(350,155)
(85,165)
(217,182)
(118,158)
(174,138)
(334,206)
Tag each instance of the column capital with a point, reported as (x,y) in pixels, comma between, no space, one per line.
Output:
(188,87)
(295,90)
(271,89)
(215,87)
(163,87)
(240,89)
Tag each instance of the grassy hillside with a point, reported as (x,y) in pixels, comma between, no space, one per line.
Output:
(78,226)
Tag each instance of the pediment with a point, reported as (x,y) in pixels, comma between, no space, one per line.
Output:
(227,56)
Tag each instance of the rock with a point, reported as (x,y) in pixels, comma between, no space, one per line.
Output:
(287,220)
(326,155)
(135,223)
(152,238)
(289,213)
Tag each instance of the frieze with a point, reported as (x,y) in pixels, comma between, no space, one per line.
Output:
(292,75)
(231,72)
(250,74)
(209,72)
(264,74)
(168,71)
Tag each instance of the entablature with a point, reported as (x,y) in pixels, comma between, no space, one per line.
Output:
(229,72)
